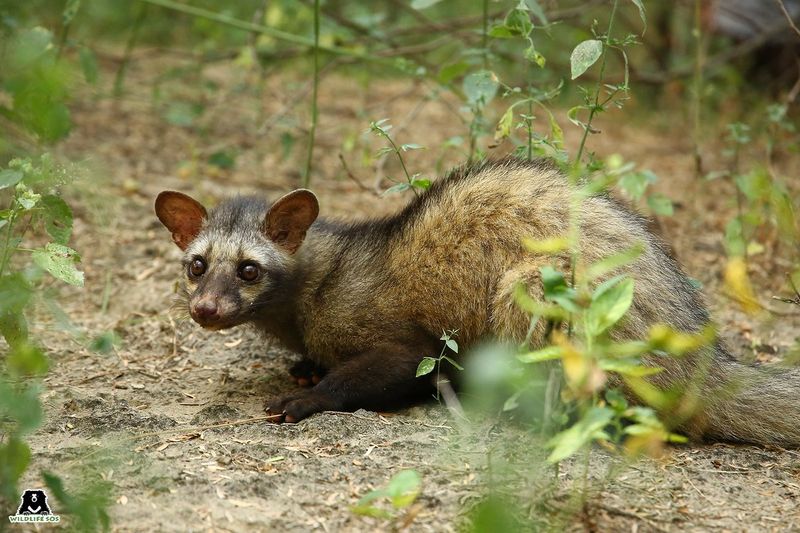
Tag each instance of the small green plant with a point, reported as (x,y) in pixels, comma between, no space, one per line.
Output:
(401,491)
(414,182)
(427,364)
(31,206)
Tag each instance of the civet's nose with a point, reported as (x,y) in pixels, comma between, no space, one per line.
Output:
(205,311)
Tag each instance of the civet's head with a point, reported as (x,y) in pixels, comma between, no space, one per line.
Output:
(235,256)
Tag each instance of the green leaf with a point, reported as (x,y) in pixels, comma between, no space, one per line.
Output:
(88,64)
(640,7)
(411,146)
(222,159)
(402,490)
(480,87)
(610,301)
(549,353)
(503,128)
(105,342)
(518,21)
(88,509)
(734,239)
(423,4)
(21,406)
(450,72)
(613,262)
(635,183)
(452,344)
(27,360)
(28,199)
(556,289)
(421,183)
(57,218)
(453,362)
(587,429)
(70,10)
(629,367)
(426,366)
(536,9)
(9,178)
(399,187)
(183,113)
(15,293)
(60,261)
(15,456)
(584,56)
(501,31)
(660,204)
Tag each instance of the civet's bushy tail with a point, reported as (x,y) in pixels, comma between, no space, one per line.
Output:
(749,404)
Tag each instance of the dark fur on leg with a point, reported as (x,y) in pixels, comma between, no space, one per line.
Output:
(379,379)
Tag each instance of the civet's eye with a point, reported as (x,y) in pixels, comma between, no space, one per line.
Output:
(197,267)
(249,271)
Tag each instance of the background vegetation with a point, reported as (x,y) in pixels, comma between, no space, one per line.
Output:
(529,78)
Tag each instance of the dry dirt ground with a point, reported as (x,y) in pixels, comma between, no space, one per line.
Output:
(172,417)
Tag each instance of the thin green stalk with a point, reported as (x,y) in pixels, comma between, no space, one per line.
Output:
(252,27)
(314,106)
(698,88)
(7,246)
(574,222)
(599,88)
(486,34)
(137,24)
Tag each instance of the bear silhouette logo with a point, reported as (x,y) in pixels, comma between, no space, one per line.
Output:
(34,502)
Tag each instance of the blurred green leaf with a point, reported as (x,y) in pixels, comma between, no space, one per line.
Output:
(57,218)
(402,490)
(610,301)
(60,261)
(9,177)
(15,293)
(27,360)
(105,342)
(88,64)
(15,456)
(222,159)
(423,4)
(635,183)
(660,204)
(183,113)
(642,15)
(450,72)
(535,8)
(89,510)
(398,187)
(480,87)
(586,430)
(20,404)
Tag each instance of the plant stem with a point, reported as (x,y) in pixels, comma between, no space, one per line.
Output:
(7,246)
(402,162)
(314,99)
(137,24)
(486,34)
(698,89)
(593,110)
(252,27)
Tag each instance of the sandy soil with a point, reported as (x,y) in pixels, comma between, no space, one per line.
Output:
(173,417)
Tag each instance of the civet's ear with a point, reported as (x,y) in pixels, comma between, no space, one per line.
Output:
(182,215)
(290,217)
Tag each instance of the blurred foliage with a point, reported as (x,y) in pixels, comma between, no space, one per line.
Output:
(520,71)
